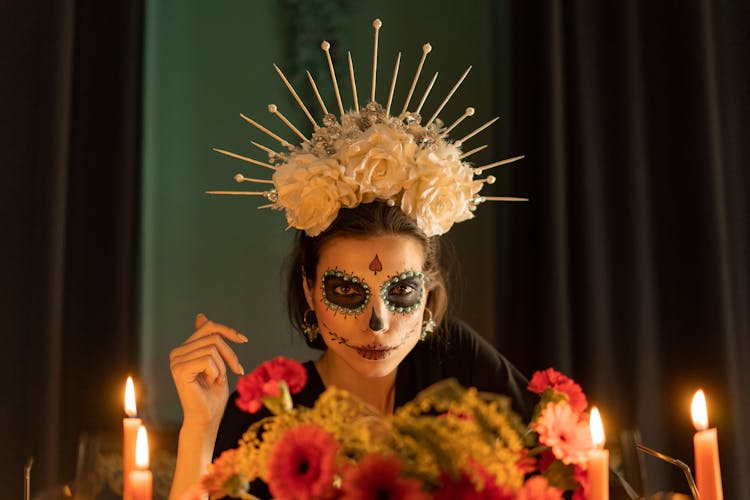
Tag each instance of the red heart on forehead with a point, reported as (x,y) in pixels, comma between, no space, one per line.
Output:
(375,265)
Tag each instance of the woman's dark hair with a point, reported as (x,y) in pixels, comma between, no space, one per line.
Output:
(365,220)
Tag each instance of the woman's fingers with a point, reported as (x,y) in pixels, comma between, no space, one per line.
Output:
(200,320)
(216,342)
(203,365)
(207,327)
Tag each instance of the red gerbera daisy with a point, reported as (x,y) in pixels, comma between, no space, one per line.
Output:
(463,488)
(377,478)
(302,463)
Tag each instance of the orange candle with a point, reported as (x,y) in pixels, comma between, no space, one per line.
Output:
(598,460)
(130,425)
(706,448)
(141,480)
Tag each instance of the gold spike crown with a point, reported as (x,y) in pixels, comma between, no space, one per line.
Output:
(367,154)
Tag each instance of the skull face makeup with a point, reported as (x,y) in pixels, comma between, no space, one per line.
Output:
(367,332)
(344,293)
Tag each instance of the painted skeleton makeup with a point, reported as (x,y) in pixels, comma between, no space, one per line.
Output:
(344,292)
(403,293)
(368,299)
(348,294)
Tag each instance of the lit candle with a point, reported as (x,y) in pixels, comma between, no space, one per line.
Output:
(598,460)
(141,480)
(706,448)
(130,425)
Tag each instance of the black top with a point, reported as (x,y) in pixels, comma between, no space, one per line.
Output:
(461,354)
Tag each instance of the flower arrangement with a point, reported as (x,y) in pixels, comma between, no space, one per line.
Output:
(374,156)
(449,442)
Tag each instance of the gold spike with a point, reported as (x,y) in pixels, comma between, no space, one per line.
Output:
(502,198)
(472,134)
(273,109)
(354,82)
(326,48)
(393,85)
(426,93)
(447,98)
(317,94)
(479,170)
(296,97)
(264,129)
(375,24)
(242,178)
(426,48)
(468,112)
(244,158)
(242,193)
(469,153)
(267,150)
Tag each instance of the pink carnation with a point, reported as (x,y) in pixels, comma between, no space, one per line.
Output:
(264,381)
(567,436)
(552,379)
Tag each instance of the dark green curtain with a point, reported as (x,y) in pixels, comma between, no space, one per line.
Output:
(631,266)
(70,93)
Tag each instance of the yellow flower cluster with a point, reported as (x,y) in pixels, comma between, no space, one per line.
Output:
(446,429)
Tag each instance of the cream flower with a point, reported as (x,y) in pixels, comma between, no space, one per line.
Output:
(380,161)
(312,190)
(440,192)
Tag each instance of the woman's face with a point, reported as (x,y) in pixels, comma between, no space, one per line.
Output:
(369,296)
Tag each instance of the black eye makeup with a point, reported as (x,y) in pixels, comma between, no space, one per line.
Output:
(344,292)
(403,293)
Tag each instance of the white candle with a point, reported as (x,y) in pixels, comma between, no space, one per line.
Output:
(130,426)
(598,460)
(706,448)
(141,480)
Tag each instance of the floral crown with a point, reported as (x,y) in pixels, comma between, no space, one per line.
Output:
(368,154)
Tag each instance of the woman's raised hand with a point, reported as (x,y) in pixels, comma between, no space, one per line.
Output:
(199,370)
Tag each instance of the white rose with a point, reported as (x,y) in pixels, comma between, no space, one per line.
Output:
(312,190)
(440,192)
(380,161)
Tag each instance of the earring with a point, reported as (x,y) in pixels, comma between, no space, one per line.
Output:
(428,326)
(310,328)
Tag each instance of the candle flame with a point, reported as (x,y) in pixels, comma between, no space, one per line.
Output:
(699,411)
(130,408)
(596,428)
(141,449)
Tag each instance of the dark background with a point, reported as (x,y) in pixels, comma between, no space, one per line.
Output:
(628,270)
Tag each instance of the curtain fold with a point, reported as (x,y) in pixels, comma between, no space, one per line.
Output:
(629,269)
(69,156)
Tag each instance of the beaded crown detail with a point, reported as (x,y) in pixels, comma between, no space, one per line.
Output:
(369,154)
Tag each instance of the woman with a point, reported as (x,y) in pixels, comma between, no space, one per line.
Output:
(370,192)
(369,291)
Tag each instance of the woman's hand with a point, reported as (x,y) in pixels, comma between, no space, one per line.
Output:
(199,370)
